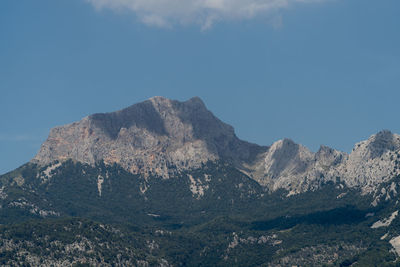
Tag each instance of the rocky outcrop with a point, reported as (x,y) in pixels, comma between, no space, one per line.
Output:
(372,162)
(293,167)
(157,136)
(162,136)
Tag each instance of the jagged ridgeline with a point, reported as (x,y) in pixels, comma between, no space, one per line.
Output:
(166,183)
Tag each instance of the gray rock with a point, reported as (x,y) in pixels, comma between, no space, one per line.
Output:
(148,138)
(295,168)
(152,136)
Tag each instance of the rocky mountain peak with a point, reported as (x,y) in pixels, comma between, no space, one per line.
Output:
(142,115)
(381,142)
(293,167)
(161,136)
(285,151)
(376,146)
(148,137)
(283,161)
(327,156)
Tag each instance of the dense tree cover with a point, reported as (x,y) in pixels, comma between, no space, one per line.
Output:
(212,216)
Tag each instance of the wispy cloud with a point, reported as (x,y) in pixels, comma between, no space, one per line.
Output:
(167,13)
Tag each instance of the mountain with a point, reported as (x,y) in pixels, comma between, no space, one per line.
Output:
(149,138)
(163,137)
(295,168)
(166,183)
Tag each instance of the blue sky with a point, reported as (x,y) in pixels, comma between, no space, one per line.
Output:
(318,72)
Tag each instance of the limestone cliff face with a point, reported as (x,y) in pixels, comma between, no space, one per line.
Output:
(161,137)
(373,161)
(293,167)
(149,138)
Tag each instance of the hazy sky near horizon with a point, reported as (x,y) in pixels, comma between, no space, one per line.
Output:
(316,71)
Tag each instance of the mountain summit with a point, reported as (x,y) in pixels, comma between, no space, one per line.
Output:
(162,137)
(149,138)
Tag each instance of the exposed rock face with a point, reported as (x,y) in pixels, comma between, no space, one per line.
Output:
(295,168)
(149,137)
(161,136)
(283,161)
(373,161)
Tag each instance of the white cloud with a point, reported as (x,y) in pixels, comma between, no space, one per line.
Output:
(167,13)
